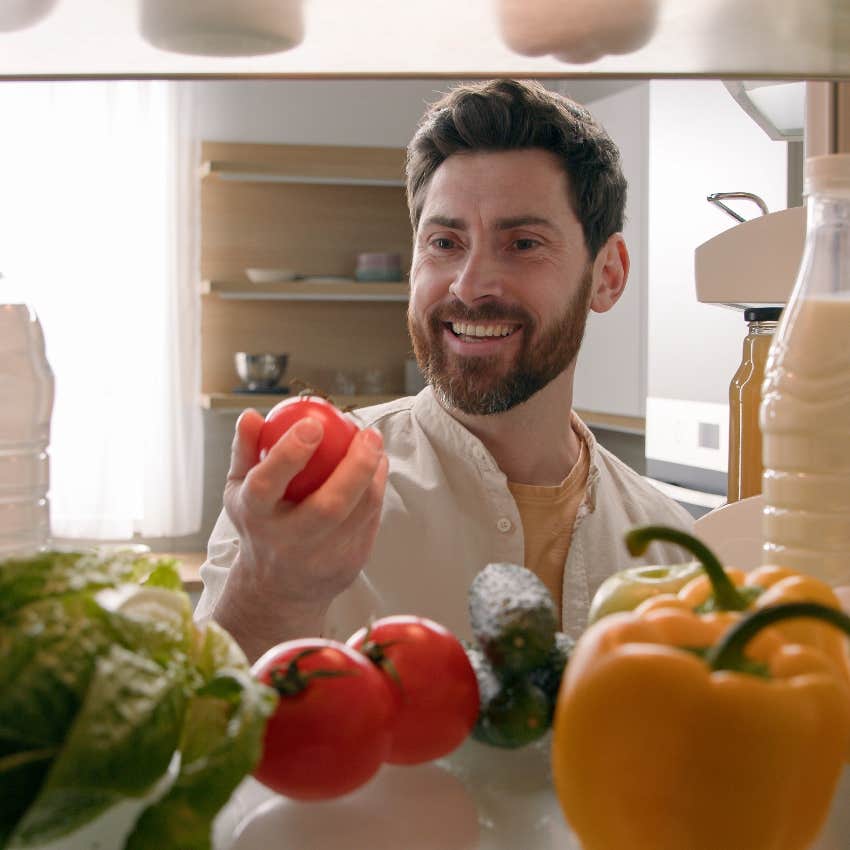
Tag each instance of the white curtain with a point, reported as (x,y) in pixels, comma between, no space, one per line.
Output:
(97,224)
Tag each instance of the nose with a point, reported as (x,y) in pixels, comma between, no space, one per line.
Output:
(480,276)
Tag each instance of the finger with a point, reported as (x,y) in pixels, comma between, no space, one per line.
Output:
(244,452)
(362,523)
(335,500)
(266,483)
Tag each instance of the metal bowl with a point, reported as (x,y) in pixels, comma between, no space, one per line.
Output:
(260,371)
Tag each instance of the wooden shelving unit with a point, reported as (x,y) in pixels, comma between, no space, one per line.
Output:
(313,209)
(315,289)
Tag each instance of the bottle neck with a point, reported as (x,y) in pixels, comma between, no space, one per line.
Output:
(825,269)
(825,208)
(761,328)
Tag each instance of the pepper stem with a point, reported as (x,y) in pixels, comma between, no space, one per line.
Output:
(729,653)
(727,597)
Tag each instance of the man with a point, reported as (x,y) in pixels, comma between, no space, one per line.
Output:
(516,199)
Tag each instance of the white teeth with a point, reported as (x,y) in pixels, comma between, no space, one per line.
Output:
(465,329)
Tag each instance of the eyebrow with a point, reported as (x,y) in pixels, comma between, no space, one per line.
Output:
(501,224)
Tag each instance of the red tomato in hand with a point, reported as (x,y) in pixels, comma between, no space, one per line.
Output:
(331,730)
(338,434)
(434,683)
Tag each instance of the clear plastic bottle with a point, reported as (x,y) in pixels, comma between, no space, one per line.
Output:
(805,412)
(26,405)
(745,467)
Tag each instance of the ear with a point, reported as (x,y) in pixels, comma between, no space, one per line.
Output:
(610,273)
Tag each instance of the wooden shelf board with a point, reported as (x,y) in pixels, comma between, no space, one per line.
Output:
(232,402)
(613,421)
(245,172)
(340,164)
(315,289)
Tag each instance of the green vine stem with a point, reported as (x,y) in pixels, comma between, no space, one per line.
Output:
(728,654)
(727,597)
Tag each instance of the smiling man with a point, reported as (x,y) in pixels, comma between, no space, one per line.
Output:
(517,200)
(500,298)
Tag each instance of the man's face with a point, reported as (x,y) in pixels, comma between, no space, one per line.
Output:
(500,280)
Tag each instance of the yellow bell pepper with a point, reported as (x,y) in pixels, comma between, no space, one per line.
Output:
(668,737)
(730,589)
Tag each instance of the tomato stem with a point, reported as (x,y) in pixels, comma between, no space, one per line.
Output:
(293,681)
(376,653)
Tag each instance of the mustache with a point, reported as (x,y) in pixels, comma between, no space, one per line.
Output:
(457,311)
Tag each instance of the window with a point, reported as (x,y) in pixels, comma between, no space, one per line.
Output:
(97,225)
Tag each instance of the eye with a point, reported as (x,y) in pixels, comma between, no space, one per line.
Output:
(444,243)
(525,244)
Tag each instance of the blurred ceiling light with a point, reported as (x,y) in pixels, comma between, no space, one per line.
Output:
(222,27)
(779,108)
(19,14)
(576,31)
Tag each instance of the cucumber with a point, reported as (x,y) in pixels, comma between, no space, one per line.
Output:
(513,618)
(513,713)
(548,676)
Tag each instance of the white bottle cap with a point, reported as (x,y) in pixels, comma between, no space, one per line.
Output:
(827,172)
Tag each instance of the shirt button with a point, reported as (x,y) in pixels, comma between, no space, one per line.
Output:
(504,524)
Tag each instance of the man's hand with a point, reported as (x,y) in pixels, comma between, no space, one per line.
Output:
(295,558)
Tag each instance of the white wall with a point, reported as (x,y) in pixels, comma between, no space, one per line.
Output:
(611,371)
(700,142)
(331,112)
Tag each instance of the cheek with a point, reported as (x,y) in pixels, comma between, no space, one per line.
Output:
(427,287)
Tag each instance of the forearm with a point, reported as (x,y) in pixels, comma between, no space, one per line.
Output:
(257,622)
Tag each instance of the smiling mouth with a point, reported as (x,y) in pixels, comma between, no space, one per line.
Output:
(477,331)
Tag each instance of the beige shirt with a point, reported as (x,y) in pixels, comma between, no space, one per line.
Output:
(448,513)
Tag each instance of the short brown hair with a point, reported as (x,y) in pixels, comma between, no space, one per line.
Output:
(504,115)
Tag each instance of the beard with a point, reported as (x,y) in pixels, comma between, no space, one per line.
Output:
(478,385)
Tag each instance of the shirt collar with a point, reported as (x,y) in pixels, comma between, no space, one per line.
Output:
(434,418)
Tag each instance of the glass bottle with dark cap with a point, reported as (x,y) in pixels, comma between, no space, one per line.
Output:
(745,461)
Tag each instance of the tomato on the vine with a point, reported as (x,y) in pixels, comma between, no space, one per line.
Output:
(434,683)
(331,730)
(338,434)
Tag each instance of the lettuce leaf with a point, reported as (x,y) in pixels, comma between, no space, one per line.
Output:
(51,574)
(21,775)
(221,743)
(119,745)
(47,657)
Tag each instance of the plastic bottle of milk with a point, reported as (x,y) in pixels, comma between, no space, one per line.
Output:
(805,409)
(26,404)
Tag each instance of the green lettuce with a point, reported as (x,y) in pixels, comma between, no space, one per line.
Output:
(103,678)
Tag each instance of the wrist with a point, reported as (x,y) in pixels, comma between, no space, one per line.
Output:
(258,621)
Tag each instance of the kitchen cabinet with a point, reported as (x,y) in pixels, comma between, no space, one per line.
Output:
(311,209)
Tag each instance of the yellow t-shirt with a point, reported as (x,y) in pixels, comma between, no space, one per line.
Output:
(548,515)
